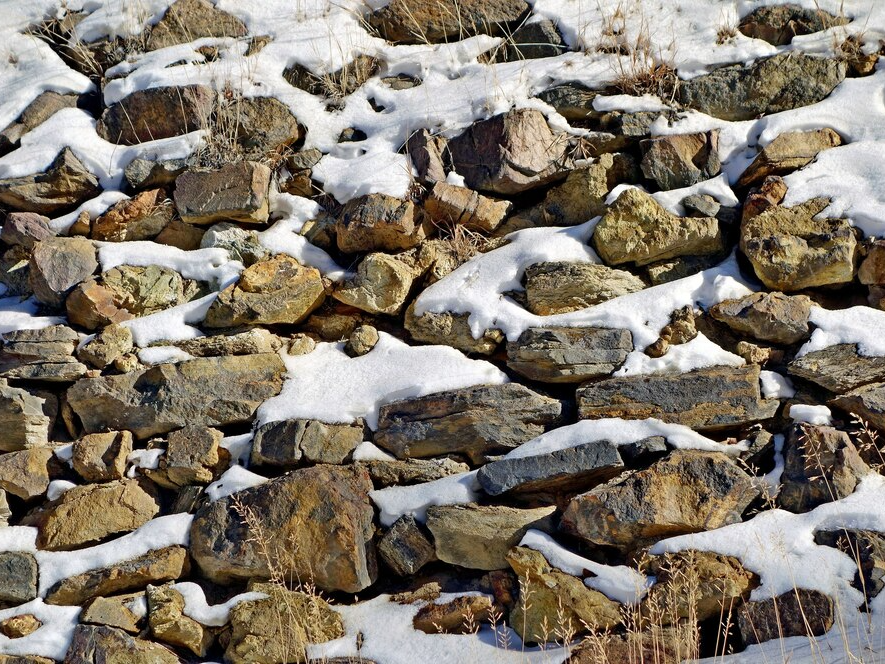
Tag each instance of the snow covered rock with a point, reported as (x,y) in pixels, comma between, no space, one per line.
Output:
(65,183)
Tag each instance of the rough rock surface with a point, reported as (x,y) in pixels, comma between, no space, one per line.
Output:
(559,287)
(57,265)
(775,317)
(788,152)
(681,160)
(795,613)
(839,368)
(155,113)
(378,222)
(66,183)
(235,192)
(408,22)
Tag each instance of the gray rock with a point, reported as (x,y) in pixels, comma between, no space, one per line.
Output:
(429,155)
(538,39)
(187,20)
(155,113)
(798,612)
(450,329)
(402,472)
(572,468)
(681,160)
(57,265)
(207,391)
(573,101)
(568,354)
(45,354)
(381,285)
(840,368)
(237,191)
(774,317)
(25,229)
(405,548)
(778,24)
(24,421)
(560,287)
(145,173)
(18,578)
(779,83)
(867,402)
(867,547)
(102,645)
(475,421)
(285,443)
(63,185)
(705,399)
(242,245)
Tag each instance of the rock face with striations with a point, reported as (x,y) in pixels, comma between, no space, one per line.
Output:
(24,421)
(64,184)
(775,317)
(839,368)
(46,354)
(237,191)
(211,391)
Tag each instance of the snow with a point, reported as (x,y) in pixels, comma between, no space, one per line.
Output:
(801,413)
(235,478)
(367,451)
(211,264)
(239,447)
(855,325)
(18,314)
(163,355)
(328,385)
(775,386)
(143,460)
(51,639)
(197,608)
(57,487)
(170,324)
(395,501)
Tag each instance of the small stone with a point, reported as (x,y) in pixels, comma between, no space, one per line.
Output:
(109,344)
(154,113)
(25,474)
(764,197)
(361,341)
(103,645)
(378,222)
(429,154)
(839,368)
(238,191)
(63,185)
(112,612)
(680,330)
(459,206)
(568,354)
(139,218)
(18,578)
(681,160)
(538,39)
(479,536)
(25,229)
(701,205)
(101,457)
(450,329)
(663,272)
(187,20)
(773,317)
(561,287)
(192,457)
(459,615)
(798,612)
(405,548)
(381,285)
(169,624)
(24,422)
(57,265)
(572,100)
(20,626)
(241,245)
(788,152)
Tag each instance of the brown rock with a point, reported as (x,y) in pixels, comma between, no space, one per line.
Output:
(381,285)
(459,206)
(560,287)
(192,457)
(63,185)
(398,472)
(186,20)
(235,192)
(788,152)
(25,229)
(795,613)
(764,197)
(405,548)
(139,218)
(450,329)
(46,105)
(112,612)
(101,457)
(106,645)
(24,418)
(460,615)
(20,626)
(25,474)
(416,22)
(840,368)
(181,235)
(155,113)
(169,624)
(45,354)
(568,354)
(378,222)
(286,442)
(57,265)
(774,317)
(108,344)
(681,160)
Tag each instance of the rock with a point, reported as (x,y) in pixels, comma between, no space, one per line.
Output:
(361,341)
(20,626)
(192,457)
(101,457)
(6,513)
(774,317)
(398,472)
(207,391)
(764,197)
(661,645)
(155,113)
(701,205)
(552,601)
(867,548)
(788,152)
(867,402)
(568,354)
(25,229)
(680,330)
(572,100)
(561,287)
(278,290)
(378,222)
(779,83)
(697,585)
(539,39)
(509,153)
(681,160)
(798,612)
(57,265)
(186,20)
(18,578)
(429,155)
(459,615)
(158,566)
(15,272)
(237,191)
(821,465)
(779,24)
(405,548)
(791,249)
(24,422)
(840,368)
(636,229)
(686,492)
(93,306)
(450,330)
(297,509)
(704,399)
(42,108)
(63,185)
(285,443)
(459,206)
(146,173)
(106,645)
(24,659)
(113,612)
(45,354)
(252,341)
(180,235)
(479,536)
(264,126)
(241,244)
(25,474)
(169,624)
(90,513)
(381,285)
(109,343)
(871,271)
(280,627)
(475,421)
(663,272)
(139,218)
(423,21)
(572,468)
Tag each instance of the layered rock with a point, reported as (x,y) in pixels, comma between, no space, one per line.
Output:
(568,354)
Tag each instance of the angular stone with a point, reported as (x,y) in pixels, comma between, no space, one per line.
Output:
(169,624)
(18,577)
(561,287)
(681,160)
(106,645)
(64,184)
(788,152)
(158,566)
(538,39)
(94,306)
(867,402)
(459,206)
(207,391)
(405,548)
(252,341)
(429,154)
(237,191)
(108,344)
(192,457)
(572,100)
(57,265)
(510,153)
(479,536)
(187,20)
(840,368)
(46,105)
(25,473)
(568,354)
(795,613)
(241,244)
(155,113)
(378,222)
(112,612)
(141,217)
(280,627)
(421,21)
(381,285)
(704,399)
(767,195)
(101,457)
(147,173)
(400,472)
(297,508)
(24,421)
(578,467)
(686,492)
(450,329)
(180,235)
(25,229)
(263,126)
(775,317)
(475,421)
(778,24)
(780,83)
(90,513)
(636,229)
(45,354)
(285,443)
(20,626)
